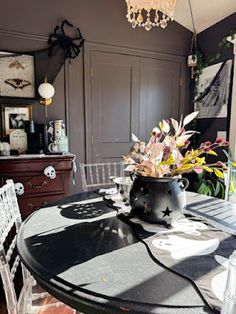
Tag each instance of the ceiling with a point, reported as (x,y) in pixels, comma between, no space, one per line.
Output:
(205,12)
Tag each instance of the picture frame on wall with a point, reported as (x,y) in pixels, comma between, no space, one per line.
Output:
(17,75)
(213,91)
(14,117)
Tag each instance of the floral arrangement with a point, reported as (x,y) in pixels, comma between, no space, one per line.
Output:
(167,153)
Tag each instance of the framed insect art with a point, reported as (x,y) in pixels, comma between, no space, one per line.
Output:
(17,75)
(14,117)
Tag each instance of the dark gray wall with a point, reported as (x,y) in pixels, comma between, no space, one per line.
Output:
(25,25)
(208,42)
(100,21)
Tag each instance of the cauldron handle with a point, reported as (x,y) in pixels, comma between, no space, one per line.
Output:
(132,176)
(111,178)
(185,183)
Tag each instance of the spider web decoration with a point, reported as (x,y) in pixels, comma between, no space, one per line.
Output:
(71,46)
(65,42)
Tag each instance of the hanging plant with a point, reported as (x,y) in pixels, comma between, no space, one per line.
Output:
(225,43)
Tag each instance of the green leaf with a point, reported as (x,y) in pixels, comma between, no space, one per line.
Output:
(211,185)
(201,175)
(201,188)
(222,190)
(217,188)
(209,192)
(223,193)
(206,190)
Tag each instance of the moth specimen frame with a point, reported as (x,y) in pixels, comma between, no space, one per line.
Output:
(17,75)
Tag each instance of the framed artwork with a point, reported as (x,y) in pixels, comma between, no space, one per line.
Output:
(14,117)
(17,75)
(213,91)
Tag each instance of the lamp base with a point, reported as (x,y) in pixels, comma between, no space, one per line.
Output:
(45,101)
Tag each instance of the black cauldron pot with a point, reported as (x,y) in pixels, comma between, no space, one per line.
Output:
(158,200)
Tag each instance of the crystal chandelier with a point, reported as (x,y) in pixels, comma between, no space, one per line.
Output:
(149,13)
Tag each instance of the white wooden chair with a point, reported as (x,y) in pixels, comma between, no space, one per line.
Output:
(32,299)
(99,175)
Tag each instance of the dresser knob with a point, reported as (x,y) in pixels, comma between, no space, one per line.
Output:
(50,172)
(19,188)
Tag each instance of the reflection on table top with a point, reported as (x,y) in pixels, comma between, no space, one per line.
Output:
(90,259)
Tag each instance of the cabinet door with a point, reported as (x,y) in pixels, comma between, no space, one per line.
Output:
(159,93)
(114,104)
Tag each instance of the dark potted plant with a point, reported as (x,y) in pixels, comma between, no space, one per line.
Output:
(157,194)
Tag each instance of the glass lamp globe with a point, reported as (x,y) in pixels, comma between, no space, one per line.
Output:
(46,90)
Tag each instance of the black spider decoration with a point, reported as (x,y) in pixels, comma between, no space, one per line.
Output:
(71,46)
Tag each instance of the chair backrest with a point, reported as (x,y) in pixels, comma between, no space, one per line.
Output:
(9,261)
(99,174)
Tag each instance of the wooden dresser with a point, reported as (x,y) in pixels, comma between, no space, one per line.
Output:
(38,188)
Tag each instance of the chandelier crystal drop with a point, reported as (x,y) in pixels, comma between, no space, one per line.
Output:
(149,13)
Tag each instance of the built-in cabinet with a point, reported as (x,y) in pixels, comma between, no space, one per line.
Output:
(160,84)
(128,92)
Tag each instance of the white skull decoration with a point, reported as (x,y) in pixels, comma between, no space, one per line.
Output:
(19,188)
(50,172)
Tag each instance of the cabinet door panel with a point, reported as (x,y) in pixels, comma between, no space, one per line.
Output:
(159,93)
(114,104)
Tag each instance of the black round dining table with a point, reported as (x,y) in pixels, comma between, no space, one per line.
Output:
(80,251)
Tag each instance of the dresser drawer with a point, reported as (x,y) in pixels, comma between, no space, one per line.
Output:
(29,205)
(41,184)
(16,166)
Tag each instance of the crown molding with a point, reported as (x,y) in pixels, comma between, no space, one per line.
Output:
(22,35)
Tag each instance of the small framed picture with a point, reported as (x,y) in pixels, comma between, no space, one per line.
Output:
(17,75)
(14,117)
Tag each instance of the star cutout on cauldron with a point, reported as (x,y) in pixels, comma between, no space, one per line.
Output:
(166,212)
